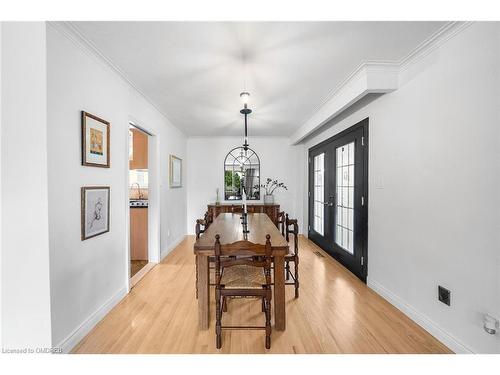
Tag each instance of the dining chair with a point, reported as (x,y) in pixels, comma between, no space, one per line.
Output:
(281,222)
(209,219)
(292,228)
(198,230)
(242,269)
(205,223)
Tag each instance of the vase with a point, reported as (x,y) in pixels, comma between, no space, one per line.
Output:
(217,200)
(268,199)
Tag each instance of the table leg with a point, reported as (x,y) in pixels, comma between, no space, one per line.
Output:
(203,292)
(279,293)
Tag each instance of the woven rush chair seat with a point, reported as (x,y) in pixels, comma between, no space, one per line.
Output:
(243,276)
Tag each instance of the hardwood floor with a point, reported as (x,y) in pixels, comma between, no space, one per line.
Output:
(336,313)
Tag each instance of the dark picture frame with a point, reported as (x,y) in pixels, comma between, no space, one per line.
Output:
(98,147)
(93,211)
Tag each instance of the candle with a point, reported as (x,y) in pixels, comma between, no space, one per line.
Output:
(244,201)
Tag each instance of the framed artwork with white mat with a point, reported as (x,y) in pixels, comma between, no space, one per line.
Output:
(95,141)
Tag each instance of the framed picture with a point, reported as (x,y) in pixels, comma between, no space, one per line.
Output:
(94,211)
(175,172)
(95,141)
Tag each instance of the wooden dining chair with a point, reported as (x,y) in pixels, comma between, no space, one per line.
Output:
(281,222)
(292,229)
(200,227)
(209,219)
(242,269)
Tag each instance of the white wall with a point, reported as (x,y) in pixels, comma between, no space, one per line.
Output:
(25,288)
(1,195)
(205,173)
(88,277)
(435,145)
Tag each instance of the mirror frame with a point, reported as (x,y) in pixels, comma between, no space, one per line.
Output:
(230,153)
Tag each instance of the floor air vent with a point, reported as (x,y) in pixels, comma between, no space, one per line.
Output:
(318,254)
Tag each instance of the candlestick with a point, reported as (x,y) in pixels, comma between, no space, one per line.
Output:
(244,201)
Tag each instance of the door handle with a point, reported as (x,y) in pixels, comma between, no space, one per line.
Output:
(329,203)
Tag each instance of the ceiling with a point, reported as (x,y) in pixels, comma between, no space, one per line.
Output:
(194,71)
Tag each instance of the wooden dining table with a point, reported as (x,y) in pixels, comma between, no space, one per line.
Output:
(229,227)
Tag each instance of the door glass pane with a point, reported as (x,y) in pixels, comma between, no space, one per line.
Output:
(344,206)
(319,190)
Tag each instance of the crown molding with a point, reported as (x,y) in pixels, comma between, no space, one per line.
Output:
(380,79)
(73,33)
(440,37)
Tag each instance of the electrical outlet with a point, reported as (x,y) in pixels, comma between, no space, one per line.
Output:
(444,295)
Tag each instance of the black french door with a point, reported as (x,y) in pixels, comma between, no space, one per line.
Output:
(338,197)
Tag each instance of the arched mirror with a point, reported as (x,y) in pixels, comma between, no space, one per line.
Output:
(241,169)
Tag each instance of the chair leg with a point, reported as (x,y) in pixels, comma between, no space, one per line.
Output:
(196,282)
(263,301)
(224,304)
(287,270)
(296,268)
(218,318)
(268,320)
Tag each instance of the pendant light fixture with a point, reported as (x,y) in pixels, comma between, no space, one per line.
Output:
(245,96)
(242,165)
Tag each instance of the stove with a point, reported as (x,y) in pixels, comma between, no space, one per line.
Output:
(139,203)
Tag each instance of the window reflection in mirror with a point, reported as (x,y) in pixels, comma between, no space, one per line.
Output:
(241,169)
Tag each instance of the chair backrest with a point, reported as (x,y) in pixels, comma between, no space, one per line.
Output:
(208,219)
(292,227)
(197,228)
(243,253)
(205,222)
(281,222)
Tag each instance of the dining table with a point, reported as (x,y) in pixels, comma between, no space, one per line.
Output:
(230,229)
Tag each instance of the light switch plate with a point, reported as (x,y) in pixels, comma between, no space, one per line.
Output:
(379,184)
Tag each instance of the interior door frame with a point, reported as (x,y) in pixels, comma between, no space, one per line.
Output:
(154,214)
(363,124)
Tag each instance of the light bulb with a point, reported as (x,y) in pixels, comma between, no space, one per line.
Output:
(245,96)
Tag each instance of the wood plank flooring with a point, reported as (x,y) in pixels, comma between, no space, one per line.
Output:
(336,313)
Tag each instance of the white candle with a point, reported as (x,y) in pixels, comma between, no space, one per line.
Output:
(244,201)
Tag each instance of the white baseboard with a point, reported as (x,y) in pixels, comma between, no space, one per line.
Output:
(172,246)
(79,333)
(430,326)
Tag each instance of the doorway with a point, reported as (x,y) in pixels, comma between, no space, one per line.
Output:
(138,203)
(338,197)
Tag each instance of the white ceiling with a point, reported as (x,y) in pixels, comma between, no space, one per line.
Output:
(195,71)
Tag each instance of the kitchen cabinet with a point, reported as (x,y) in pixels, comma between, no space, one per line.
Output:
(139,152)
(138,233)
